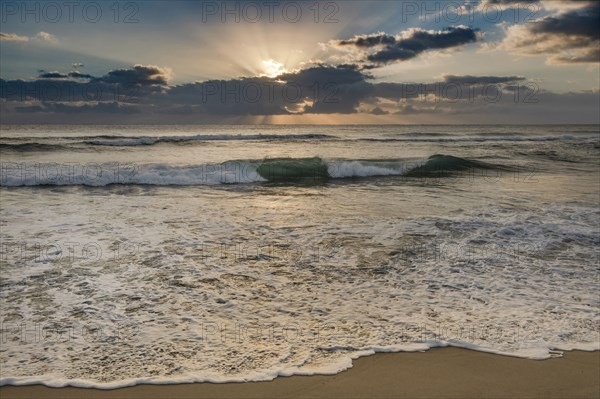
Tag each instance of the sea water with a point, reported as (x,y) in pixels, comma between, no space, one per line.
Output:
(169,254)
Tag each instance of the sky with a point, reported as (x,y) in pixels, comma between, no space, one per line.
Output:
(305,62)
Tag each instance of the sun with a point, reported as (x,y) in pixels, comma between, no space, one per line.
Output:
(272,68)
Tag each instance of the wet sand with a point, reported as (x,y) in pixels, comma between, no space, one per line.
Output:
(437,373)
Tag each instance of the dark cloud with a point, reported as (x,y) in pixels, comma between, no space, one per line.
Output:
(52,75)
(409,44)
(137,75)
(453,88)
(567,37)
(331,89)
(324,73)
(421,40)
(321,89)
(51,90)
(251,96)
(589,55)
(369,40)
(59,75)
(79,75)
(103,108)
(350,66)
(584,23)
(378,111)
(134,85)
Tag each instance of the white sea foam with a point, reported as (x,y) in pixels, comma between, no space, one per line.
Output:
(488,281)
(55,174)
(341,169)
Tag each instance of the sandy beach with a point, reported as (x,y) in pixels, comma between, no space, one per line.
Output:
(438,373)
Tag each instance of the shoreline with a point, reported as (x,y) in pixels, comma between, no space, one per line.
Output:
(447,372)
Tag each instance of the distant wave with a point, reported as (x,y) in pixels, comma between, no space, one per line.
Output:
(149,140)
(564,137)
(31,147)
(132,141)
(66,142)
(276,170)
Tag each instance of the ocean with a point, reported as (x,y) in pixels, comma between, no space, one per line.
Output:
(183,253)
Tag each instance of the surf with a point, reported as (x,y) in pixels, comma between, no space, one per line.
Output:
(271,170)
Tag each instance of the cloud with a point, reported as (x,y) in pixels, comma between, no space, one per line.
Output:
(481,80)
(369,40)
(13,37)
(102,108)
(53,75)
(582,23)
(58,75)
(409,44)
(486,5)
(511,3)
(565,5)
(144,78)
(325,73)
(317,90)
(131,85)
(79,75)
(322,89)
(378,111)
(40,36)
(330,89)
(142,75)
(571,36)
(47,37)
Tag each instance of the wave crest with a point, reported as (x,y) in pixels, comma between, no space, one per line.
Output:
(277,170)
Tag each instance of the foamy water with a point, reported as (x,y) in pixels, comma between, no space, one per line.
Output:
(259,252)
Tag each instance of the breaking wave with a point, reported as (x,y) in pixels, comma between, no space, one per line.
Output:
(276,170)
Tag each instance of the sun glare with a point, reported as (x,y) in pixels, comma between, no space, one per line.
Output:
(272,68)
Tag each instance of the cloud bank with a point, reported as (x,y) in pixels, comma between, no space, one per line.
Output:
(142,93)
